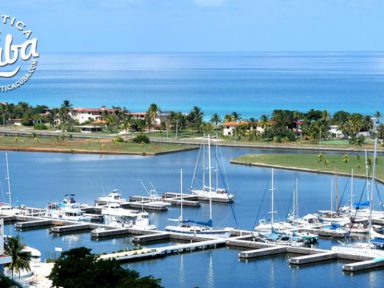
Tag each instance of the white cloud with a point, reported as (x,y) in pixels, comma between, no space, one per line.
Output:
(211,3)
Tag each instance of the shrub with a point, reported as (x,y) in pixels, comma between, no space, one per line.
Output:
(118,140)
(39,126)
(141,139)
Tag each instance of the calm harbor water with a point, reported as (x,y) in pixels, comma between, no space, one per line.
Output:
(38,178)
(250,83)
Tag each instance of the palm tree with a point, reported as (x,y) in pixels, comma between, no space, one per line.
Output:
(216,119)
(236,116)
(264,121)
(65,119)
(20,259)
(378,115)
(228,118)
(195,118)
(152,112)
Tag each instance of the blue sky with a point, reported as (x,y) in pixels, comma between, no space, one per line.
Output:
(202,25)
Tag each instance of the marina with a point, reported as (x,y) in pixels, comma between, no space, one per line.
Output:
(98,234)
(199,242)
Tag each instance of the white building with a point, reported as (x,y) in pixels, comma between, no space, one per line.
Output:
(229,127)
(376,123)
(335,132)
(82,115)
(4,259)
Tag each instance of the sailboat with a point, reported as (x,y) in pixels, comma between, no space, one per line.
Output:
(219,194)
(194,227)
(7,208)
(307,237)
(358,224)
(277,233)
(264,225)
(375,242)
(334,217)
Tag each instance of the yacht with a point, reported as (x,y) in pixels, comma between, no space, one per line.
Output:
(115,209)
(113,197)
(69,210)
(216,193)
(193,227)
(138,221)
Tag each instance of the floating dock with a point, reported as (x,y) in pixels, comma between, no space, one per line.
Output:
(362,259)
(364,265)
(174,201)
(142,254)
(193,197)
(72,228)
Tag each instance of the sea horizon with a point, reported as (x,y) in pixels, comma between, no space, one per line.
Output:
(250,83)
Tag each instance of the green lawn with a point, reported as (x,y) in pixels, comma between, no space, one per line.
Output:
(329,163)
(86,145)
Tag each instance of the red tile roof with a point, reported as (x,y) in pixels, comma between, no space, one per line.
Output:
(235,123)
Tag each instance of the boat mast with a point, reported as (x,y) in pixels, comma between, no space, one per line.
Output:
(272,199)
(351,200)
(367,174)
(8,178)
(337,195)
(331,194)
(204,168)
(181,195)
(210,178)
(297,199)
(372,188)
(217,163)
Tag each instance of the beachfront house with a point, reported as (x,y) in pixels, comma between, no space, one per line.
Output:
(229,128)
(335,132)
(83,115)
(137,115)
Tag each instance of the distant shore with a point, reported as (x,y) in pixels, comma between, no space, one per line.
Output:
(88,146)
(309,163)
(195,141)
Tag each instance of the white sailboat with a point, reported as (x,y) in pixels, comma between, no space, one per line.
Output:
(334,217)
(7,208)
(307,237)
(266,226)
(218,194)
(276,232)
(190,227)
(373,246)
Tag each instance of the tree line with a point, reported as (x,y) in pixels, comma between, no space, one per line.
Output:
(280,126)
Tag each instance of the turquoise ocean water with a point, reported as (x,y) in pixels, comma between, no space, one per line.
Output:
(249,83)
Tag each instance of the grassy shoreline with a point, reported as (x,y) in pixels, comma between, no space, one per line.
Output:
(88,146)
(329,164)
